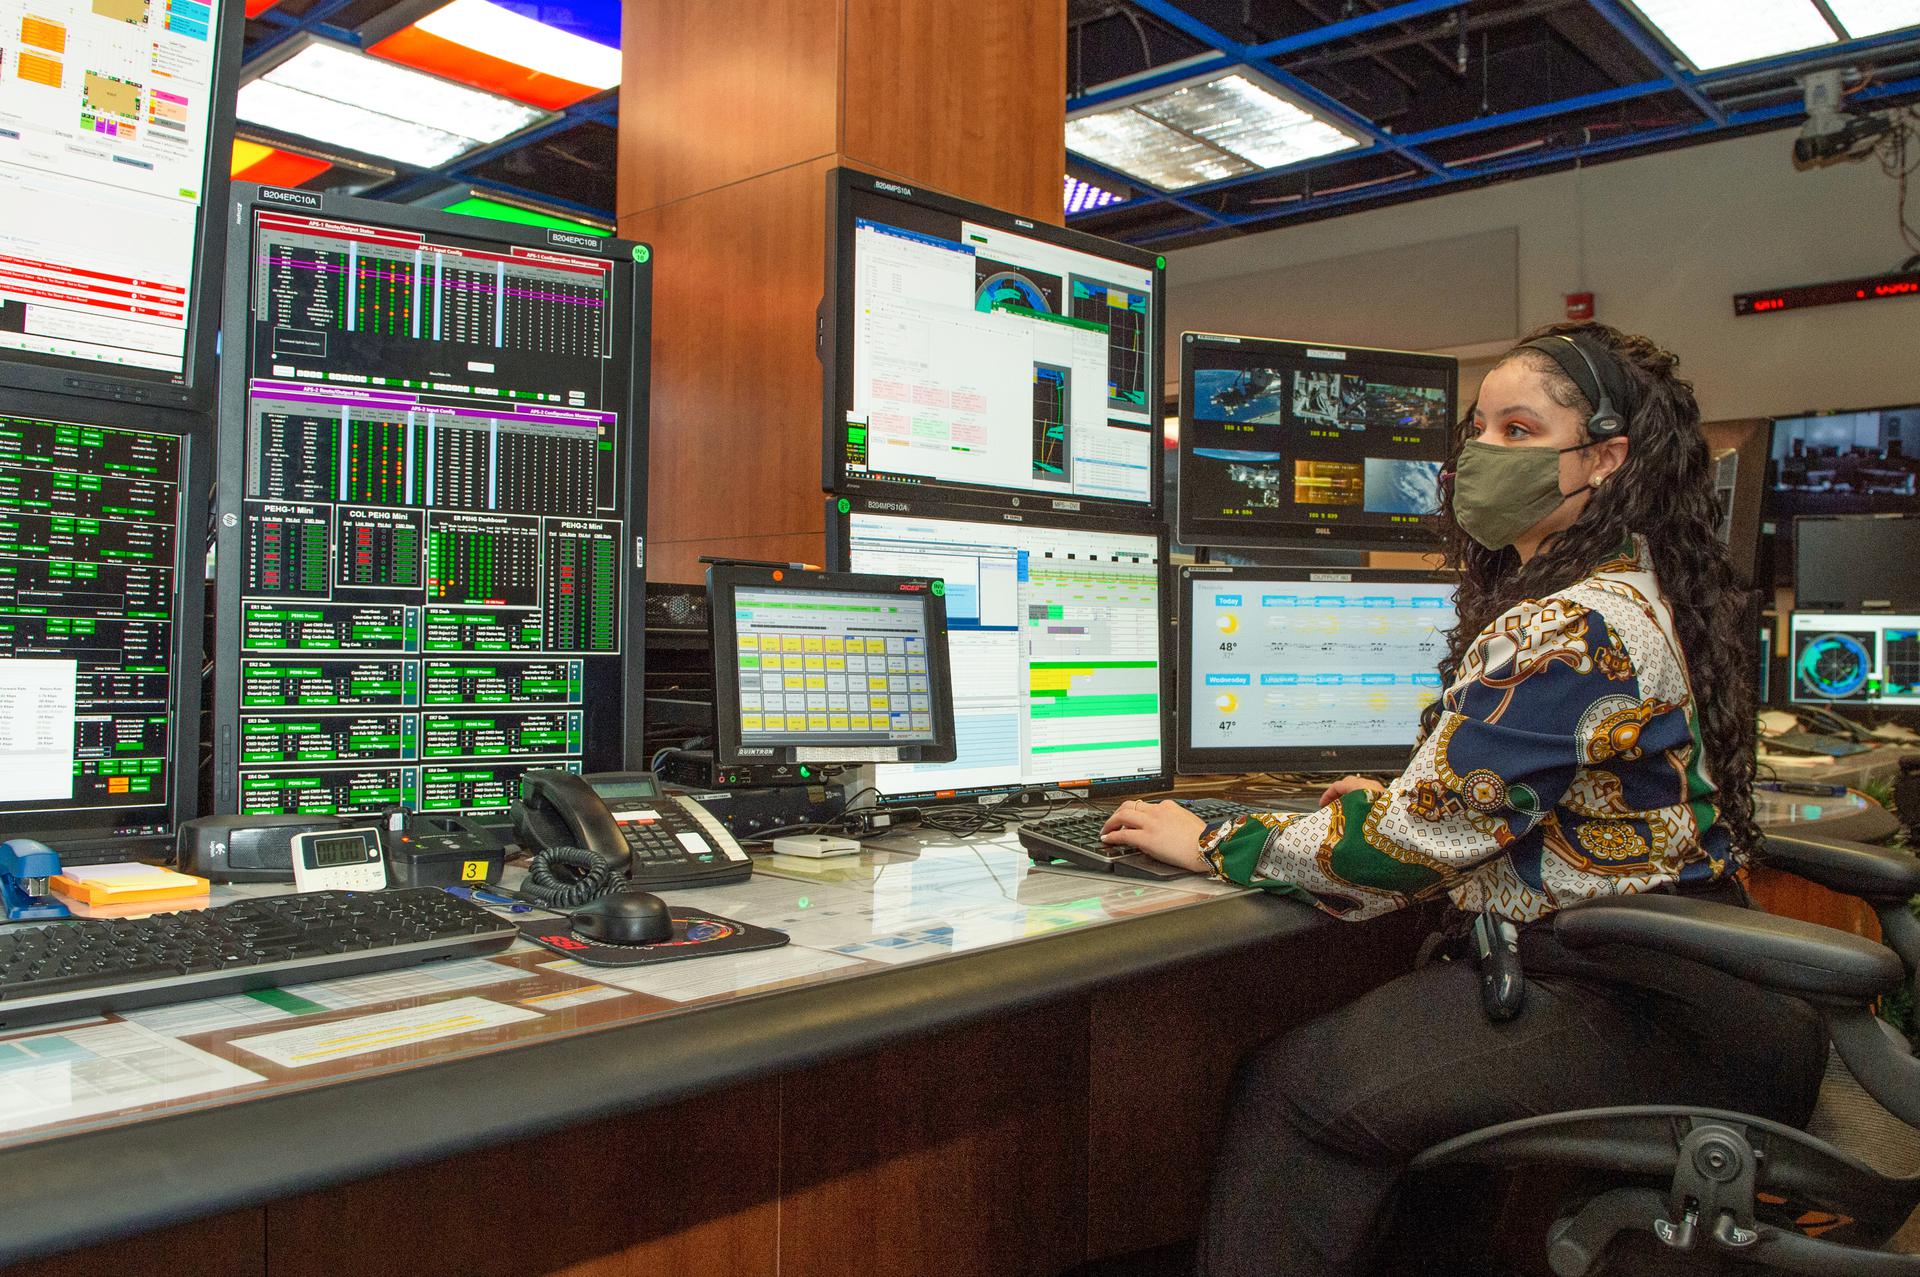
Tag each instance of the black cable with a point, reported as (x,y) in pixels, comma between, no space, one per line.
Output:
(567,877)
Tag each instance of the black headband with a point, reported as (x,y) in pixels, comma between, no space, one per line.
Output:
(1614,388)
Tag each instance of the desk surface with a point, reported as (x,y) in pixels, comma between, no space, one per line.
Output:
(120,1124)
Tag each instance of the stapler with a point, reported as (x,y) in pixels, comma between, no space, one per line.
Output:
(25,866)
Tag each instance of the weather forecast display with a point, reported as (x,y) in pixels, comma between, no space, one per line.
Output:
(1872,658)
(994,360)
(104,108)
(1280,440)
(1297,664)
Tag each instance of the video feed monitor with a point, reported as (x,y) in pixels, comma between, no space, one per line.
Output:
(1298,670)
(1832,463)
(432,478)
(1293,444)
(1858,658)
(1057,636)
(102,550)
(995,358)
(829,667)
(116,122)
(1852,563)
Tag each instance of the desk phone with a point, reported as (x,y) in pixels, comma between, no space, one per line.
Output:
(658,839)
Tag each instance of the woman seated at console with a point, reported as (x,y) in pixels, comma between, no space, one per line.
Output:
(1596,736)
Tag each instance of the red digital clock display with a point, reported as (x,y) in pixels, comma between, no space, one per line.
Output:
(1871,288)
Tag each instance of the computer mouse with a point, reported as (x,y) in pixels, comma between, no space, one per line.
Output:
(624,917)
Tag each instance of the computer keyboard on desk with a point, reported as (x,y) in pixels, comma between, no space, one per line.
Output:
(70,969)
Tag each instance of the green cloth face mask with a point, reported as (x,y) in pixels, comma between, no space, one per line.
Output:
(1500,492)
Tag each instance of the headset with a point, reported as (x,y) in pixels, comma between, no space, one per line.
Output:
(1606,422)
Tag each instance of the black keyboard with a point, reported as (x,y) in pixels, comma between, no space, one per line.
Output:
(70,969)
(1075,838)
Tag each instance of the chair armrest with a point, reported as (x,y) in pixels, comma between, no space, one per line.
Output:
(1878,874)
(1784,954)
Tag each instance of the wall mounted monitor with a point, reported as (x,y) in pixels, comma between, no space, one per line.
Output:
(1854,462)
(999,360)
(1295,444)
(116,133)
(1307,669)
(103,519)
(1853,563)
(1058,638)
(1858,658)
(432,499)
(829,668)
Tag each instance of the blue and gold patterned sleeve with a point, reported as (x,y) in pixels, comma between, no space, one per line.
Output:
(1546,693)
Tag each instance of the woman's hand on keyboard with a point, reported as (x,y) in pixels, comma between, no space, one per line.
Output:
(1165,831)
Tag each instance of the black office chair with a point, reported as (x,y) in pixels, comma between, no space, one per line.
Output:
(1693,1190)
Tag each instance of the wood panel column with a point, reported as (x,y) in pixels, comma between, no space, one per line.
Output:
(731,115)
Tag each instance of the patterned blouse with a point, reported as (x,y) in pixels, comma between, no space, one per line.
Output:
(1566,764)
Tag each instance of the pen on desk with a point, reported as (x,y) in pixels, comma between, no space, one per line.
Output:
(1807,788)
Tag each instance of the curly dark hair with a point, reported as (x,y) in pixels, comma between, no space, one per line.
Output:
(1664,491)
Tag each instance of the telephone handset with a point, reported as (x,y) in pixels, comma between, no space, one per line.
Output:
(658,839)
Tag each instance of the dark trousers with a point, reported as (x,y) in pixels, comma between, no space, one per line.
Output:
(1323,1120)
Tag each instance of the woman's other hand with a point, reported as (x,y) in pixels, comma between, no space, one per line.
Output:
(1166,831)
(1346,785)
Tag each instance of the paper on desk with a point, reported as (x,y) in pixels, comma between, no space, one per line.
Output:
(382,1031)
(709,977)
(36,729)
(75,1073)
(263,1006)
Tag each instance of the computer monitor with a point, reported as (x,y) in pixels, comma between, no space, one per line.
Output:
(1298,444)
(1307,669)
(1851,563)
(432,497)
(1857,658)
(829,668)
(1865,461)
(102,555)
(1003,361)
(116,134)
(1763,681)
(1058,632)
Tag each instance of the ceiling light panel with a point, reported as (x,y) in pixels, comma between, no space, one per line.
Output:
(492,47)
(1084,197)
(1874,17)
(342,97)
(1204,130)
(1723,33)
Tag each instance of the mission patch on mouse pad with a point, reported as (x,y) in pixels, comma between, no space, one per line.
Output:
(695,935)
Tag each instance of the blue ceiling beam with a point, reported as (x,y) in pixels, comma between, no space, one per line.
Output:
(1350,27)
(316,19)
(1650,47)
(1159,197)
(1542,111)
(1537,159)
(1327,108)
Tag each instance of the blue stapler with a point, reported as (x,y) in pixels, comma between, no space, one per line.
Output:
(25,866)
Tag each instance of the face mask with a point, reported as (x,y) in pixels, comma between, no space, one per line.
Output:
(1500,492)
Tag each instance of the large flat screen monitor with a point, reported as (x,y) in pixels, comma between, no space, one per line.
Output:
(1869,659)
(1854,462)
(116,132)
(432,493)
(1307,669)
(1296,444)
(828,668)
(1000,360)
(103,521)
(1851,563)
(1057,632)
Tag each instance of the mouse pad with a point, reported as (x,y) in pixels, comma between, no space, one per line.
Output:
(696,934)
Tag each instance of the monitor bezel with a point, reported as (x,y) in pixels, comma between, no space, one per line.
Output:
(198,388)
(1880,622)
(1192,761)
(835,336)
(839,513)
(80,840)
(1191,530)
(632,263)
(723,583)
